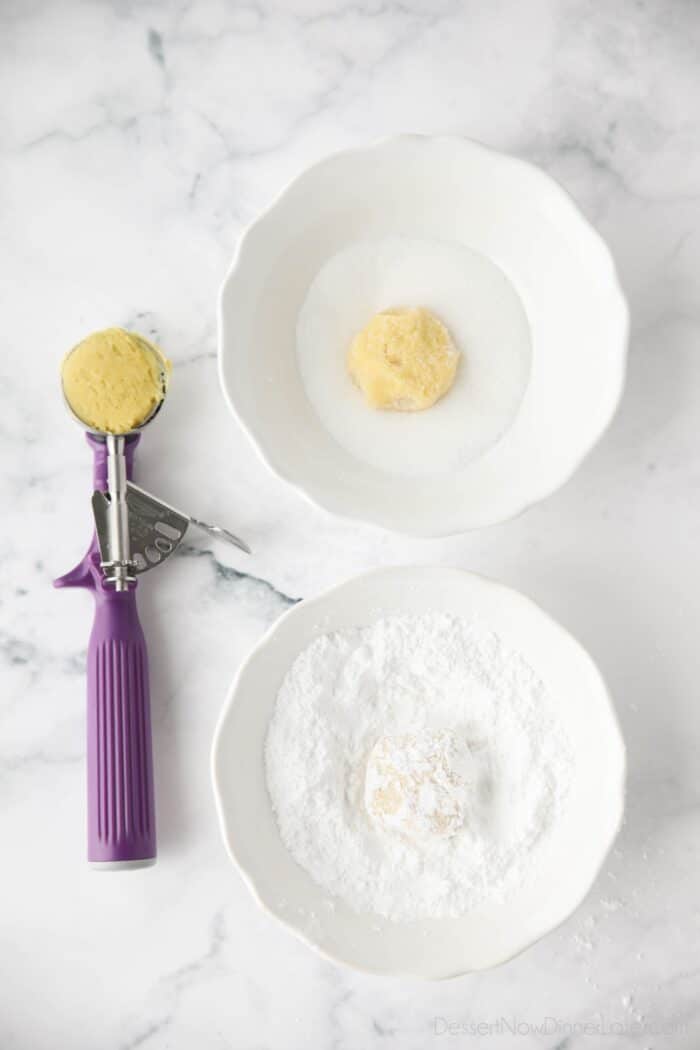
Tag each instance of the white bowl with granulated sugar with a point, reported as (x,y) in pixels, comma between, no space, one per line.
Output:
(502,256)
(419,772)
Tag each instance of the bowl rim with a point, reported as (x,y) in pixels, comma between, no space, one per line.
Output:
(248,876)
(315,494)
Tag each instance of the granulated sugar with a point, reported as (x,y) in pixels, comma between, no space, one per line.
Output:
(469,766)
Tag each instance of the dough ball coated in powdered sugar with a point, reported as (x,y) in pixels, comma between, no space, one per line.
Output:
(418,783)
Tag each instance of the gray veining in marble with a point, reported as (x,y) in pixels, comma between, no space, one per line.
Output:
(137,140)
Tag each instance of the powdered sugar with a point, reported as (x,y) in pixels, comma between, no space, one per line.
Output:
(463,829)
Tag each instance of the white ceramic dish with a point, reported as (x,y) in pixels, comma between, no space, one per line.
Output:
(439,188)
(436,948)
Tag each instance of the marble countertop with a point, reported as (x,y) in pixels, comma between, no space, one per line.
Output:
(138,139)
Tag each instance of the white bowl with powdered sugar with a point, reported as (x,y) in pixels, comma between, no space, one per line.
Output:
(419,772)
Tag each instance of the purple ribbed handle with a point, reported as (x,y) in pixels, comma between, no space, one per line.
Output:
(121,817)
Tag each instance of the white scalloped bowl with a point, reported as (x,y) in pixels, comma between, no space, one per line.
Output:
(494,932)
(440,189)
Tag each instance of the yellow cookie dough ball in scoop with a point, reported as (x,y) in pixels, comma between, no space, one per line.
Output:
(114,380)
(404,359)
